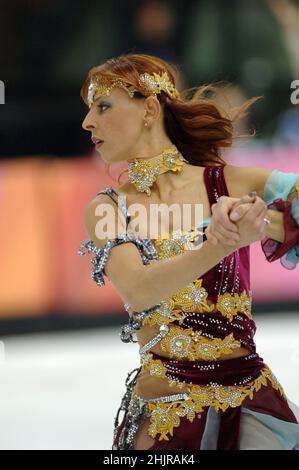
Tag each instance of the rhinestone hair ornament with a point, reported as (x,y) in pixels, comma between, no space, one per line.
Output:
(151,83)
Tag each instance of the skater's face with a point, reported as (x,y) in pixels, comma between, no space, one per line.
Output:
(119,120)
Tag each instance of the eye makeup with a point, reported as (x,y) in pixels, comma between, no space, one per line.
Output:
(102,104)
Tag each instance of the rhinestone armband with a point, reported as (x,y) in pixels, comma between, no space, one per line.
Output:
(135,323)
(145,247)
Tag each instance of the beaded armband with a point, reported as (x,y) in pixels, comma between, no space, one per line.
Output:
(135,323)
(145,247)
(288,250)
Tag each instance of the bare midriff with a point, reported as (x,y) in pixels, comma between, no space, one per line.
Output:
(148,386)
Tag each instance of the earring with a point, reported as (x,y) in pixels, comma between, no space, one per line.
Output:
(145,123)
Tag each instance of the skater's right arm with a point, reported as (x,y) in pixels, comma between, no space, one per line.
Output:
(143,286)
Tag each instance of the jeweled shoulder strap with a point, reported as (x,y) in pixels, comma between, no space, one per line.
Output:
(215,183)
(120,203)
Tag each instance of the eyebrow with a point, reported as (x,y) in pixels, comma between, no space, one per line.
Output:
(100,98)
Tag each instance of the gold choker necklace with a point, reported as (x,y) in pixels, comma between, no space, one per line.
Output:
(143,172)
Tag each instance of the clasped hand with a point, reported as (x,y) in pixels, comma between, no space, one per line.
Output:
(237,222)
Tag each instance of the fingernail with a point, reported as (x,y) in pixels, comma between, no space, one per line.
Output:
(252,193)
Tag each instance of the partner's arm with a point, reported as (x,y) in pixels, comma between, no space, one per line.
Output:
(280,193)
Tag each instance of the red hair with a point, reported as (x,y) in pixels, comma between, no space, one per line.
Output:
(193,122)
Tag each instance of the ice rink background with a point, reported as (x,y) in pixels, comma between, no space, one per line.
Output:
(62,390)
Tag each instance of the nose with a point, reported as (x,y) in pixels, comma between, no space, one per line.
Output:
(87,122)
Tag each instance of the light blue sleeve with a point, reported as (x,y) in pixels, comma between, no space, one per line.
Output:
(278,186)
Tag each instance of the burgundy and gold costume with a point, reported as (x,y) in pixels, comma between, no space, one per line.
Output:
(204,320)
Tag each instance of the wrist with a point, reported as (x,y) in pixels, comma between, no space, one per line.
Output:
(222,250)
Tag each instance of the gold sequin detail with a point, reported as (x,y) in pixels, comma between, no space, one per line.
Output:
(176,243)
(229,305)
(186,343)
(193,298)
(165,314)
(165,416)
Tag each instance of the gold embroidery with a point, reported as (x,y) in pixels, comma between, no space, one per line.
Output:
(185,343)
(169,246)
(165,314)
(164,416)
(189,299)
(193,297)
(230,305)
(297,188)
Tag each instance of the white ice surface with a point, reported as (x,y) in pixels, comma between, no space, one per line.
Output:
(62,390)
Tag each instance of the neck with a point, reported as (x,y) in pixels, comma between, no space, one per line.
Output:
(152,148)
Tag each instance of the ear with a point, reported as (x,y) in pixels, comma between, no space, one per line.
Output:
(152,109)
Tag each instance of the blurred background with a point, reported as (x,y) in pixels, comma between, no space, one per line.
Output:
(58,330)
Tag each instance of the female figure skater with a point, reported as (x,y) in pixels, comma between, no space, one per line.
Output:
(201,383)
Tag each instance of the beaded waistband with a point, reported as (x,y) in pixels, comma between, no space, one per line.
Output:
(234,371)
(166,411)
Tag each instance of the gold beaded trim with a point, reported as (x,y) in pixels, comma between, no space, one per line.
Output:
(189,344)
(152,83)
(97,88)
(229,305)
(165,314)
(175,243)
(157,83)
(194,298)
(189,299)
(164,417)
(142,173)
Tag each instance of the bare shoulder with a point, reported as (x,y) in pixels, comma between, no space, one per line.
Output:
(240,180)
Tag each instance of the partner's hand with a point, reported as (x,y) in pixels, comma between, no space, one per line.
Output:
(222,229)
(251,225)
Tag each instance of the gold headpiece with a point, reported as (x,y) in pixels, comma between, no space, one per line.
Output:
(151,83)
(143,172)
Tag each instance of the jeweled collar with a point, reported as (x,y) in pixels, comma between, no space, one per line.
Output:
(143,172)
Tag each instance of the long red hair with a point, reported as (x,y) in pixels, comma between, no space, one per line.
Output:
(193,121)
